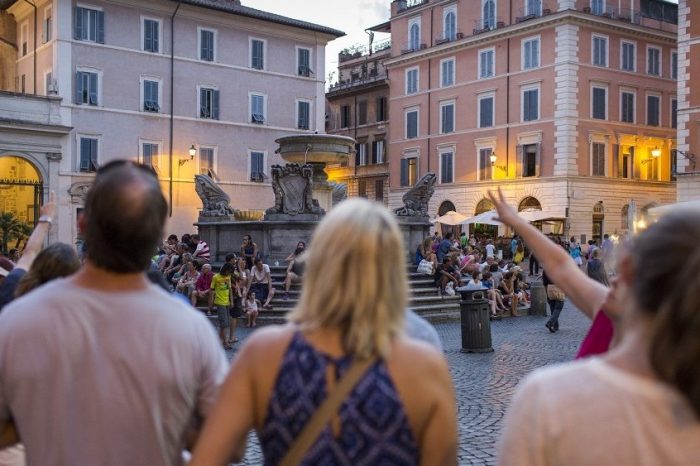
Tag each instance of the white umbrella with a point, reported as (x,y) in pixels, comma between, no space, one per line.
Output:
(451,218)
(486,218)
(533,215)
(664,209)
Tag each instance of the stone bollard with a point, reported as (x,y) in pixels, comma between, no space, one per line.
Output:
(538,300)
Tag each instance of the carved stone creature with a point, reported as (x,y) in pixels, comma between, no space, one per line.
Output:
(215,202)
(292,185)
(415,201)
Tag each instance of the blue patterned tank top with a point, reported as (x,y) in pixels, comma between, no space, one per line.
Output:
(374,427)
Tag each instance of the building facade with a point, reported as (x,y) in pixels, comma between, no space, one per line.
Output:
(688,101)
(358,106)
(569,106)
(190,87)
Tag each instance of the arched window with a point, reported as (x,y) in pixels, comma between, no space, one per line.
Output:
(529,203)
(484,205)
(534,7)
(445,207)
(489,14)
(450,26)
(414,37)
(625,217)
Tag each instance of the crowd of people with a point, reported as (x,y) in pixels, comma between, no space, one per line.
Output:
(100,366)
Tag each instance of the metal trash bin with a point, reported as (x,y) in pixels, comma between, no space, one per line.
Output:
(475,318)
(538,300)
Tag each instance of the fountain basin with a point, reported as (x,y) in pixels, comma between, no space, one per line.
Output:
(315,148)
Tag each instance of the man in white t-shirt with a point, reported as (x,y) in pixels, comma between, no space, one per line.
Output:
(261,282)
(490,249)
(104,367)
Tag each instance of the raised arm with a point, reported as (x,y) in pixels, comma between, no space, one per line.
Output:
(586,294)
(36,241)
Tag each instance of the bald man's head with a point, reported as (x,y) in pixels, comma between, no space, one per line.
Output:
(124,217)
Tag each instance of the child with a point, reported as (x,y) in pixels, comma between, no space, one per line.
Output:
(251,308)
(476,279)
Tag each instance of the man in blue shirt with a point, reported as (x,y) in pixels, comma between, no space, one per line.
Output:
(444,248)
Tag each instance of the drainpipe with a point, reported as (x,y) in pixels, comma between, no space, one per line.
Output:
(35,30)
(172,106)
(430,86)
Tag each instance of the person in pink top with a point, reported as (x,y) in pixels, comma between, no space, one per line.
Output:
(588,295)
(202,287)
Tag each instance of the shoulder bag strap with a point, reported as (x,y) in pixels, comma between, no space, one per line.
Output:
(323,413)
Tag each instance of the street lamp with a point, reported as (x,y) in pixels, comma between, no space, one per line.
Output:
(192,151)
(493,159)
(656,152)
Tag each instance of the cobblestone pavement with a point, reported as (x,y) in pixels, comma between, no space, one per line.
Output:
(485,383)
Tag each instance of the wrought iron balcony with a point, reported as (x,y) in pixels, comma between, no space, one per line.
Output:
(448,36)
(409,47)
(406,4)
(486,25)
(534,10)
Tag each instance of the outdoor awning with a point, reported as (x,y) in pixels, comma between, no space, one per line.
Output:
(486,218)
(539,216)
(451,218)
(664,209)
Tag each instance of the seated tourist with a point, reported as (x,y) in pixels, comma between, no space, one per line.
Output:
(261,282)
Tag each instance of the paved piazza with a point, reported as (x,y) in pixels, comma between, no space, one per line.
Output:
(484,383)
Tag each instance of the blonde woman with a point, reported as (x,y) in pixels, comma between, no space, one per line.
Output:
(352,308)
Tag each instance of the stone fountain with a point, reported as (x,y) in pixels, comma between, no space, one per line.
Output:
(302,196)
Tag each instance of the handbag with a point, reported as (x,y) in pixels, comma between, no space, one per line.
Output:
(323,413)
(554,293)
(425,267)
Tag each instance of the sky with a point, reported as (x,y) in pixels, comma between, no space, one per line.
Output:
(349,16)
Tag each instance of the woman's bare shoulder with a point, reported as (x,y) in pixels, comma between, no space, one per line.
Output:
(411,354)
(269,338)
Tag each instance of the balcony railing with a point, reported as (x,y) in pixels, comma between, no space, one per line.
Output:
(486,25)
(526,14)
(668,23)
(372,76)
(448,36)
(357,51)
(409,47)
(406,4)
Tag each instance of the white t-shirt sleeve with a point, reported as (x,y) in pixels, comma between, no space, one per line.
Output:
(523,441)
(214,367)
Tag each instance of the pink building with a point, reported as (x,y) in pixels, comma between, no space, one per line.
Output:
(568,105)
(191,86)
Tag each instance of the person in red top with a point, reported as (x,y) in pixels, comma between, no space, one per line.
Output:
(202,288)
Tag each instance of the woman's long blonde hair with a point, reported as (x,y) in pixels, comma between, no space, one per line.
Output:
(355,278)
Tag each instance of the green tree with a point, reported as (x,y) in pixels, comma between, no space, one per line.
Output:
(10,228)
(23,233)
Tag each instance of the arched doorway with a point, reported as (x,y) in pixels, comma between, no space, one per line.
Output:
(479,229)
(484,205)
(21,190)
(530,203)
(598,217)
(448,206)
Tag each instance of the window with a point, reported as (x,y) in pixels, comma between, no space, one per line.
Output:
(653,107)
(88,155)
(378,151)
(257,166)
(257,54)
(447,72)
(626,163)
(600,51)
(654,61)
(23,83)
(362,112)
(489,14)
(674,65)
(628,51)
(257,108)
(303,114)
(412,124)
(598,159)
(599,103)
(150,153)
(529,159)
(531,104)
(86,88)
(207,41)
(484,169)
(450,23)
(151,35)
(206,161)
(597,7)
(345,116)
(627,112)
(89,25)
(414,33)
(411,80)
(360,154)
(381,108)
(531,53)
(151,97)
(362,188)
(674,113)
(48,24)
(208,103)
(446,166)
(304,62)
(486,63)
(24,39)
(486,111)
(379,190)
(447,117)
(534,7)
(409,171)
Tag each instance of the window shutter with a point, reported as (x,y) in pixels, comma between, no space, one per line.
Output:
(154,36)
(93,89)
(404,172)
(535,53)
(79,28)
(78,88)
(374,152)
(636,173)
(215,105)
(93,154)
(538,158)
(519,161)
(357,154)
(100,17)
(616,160)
